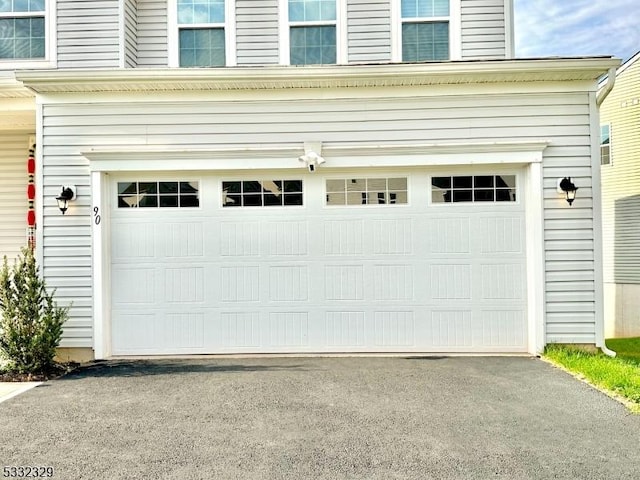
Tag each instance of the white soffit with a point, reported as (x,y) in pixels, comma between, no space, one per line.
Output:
(326,76)
(133,158)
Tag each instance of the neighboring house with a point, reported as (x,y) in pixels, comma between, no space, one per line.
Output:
(620,158)
(334,176)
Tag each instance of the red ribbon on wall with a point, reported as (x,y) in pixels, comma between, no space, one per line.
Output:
(31,198)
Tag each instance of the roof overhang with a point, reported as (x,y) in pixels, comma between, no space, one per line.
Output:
(326,76)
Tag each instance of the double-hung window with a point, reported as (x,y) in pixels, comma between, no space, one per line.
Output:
(22,30)
(313,31)
(203,33)
(425,29)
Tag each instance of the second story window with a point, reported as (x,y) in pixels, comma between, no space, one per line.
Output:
(312,32)
(425,30)
(22,30)
(202,33)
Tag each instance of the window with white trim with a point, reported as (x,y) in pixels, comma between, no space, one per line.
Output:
(262,193)
(165,194)
(313,32)
(605,144)
(366,191)
(473,188)
(425,30)
(23,30)
(202,33)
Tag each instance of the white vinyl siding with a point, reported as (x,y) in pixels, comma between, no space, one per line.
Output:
(88,34)
(130,29)
(562,118)
(13,194)
(257,32)
(152,33)
(483,29)
(369,31)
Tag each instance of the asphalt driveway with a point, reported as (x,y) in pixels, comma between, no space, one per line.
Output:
(333,418)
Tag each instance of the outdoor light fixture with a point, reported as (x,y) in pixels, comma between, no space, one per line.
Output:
(567,187)
(67,193)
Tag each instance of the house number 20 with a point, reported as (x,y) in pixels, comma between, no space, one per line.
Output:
(96,215)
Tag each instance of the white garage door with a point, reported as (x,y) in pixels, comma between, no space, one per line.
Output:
(408,261)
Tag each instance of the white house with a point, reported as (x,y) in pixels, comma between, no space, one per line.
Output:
(307,176)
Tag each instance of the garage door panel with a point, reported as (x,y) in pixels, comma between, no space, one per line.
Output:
(371,278)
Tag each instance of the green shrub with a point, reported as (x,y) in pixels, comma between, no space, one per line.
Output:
(30,320)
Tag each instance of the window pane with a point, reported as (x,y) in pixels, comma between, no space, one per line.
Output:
(335,185)
(253,200)
(252,187)
(189,201)
(440,196)
(503,181)
(168,187)
(22,5)
(462,196)
(127,187)
(356,185)
(441,182)
(312,10)
(293,186)
(483,195)
(148,201)
(425,8)
(425,41)
(505,195)
(336,199)
(462,182)
(483,182)
(200,11)
(148,187)
(293,199)
(22,38)
(232,187)
(168,200)
(203,47)
(313,45)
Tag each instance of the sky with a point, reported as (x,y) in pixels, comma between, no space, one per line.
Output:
(577,28)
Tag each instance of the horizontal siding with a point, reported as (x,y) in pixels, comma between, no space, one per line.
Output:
(152,33)
(369,31)
(483,29)
(257,32)
(563,119)
(621,181)
(88,34)
(13,194)
(130,33)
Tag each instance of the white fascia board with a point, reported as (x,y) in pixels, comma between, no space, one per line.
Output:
(167,159)
(296,77)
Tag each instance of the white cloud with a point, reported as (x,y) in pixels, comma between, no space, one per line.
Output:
(577,28)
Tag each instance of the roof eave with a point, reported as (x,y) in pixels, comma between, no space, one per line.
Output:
(326,76)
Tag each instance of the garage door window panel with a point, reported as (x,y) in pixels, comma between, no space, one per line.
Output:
(366,191)
(173,194)
(262,193)
(473,189)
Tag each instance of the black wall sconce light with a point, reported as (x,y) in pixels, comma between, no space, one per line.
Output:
(567,188)
(67,194)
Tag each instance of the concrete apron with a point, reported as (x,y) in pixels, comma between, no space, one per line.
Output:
(11,389)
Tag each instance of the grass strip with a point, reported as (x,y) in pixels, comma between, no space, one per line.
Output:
(619,376)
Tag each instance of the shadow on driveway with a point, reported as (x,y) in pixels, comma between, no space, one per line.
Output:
(144,368)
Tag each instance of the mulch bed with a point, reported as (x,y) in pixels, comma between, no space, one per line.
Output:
(58,370)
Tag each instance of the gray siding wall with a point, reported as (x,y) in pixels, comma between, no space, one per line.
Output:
(152,34)
(483,29)
(369,31)
(130,33)
(563,118)
(257,32)
(88,34)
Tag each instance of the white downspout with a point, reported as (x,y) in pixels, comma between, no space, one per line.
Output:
(600,97)
(604,93)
